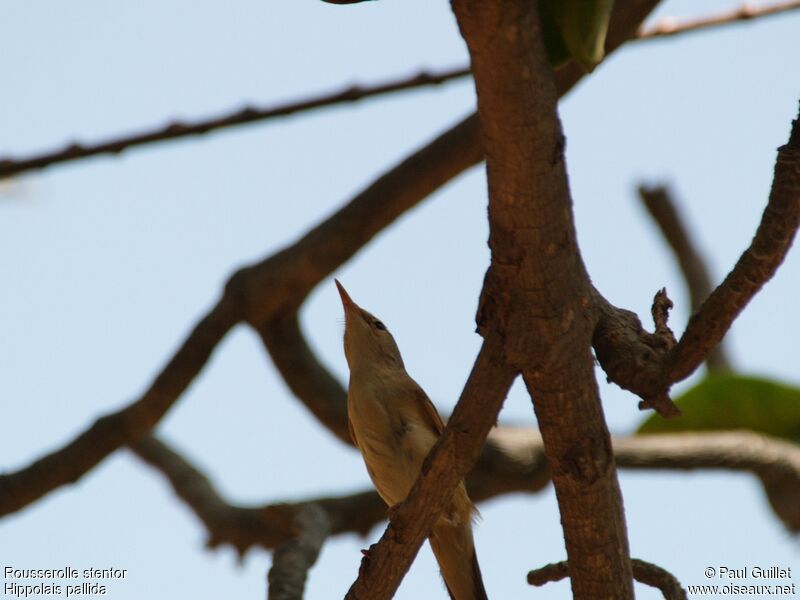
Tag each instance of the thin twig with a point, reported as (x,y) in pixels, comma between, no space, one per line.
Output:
(746,12)
(10,166)
(661,206)
(643,572)
(658,577)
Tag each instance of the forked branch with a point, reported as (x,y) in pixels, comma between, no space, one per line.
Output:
(638,361)
(660,204)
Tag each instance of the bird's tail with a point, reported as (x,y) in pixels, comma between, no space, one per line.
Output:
(454,549)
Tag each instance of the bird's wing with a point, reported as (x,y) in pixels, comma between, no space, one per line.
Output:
(352,433)
(428,411)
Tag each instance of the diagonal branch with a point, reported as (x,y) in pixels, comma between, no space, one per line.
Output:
(11,166)
(661,206)
(640,362)
(756,266)
(108,433)
(241,527)
(328,246)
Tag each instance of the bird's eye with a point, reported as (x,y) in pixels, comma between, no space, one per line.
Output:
(379,325)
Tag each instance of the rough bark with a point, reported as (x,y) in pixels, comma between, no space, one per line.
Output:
(537,293)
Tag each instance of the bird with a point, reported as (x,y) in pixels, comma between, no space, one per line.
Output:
(394,425)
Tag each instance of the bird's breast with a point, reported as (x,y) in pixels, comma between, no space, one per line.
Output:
(390,435)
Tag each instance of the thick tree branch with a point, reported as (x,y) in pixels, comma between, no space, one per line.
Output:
(660,205)
(10,166)
(643,572)
(537,294)
(640,362)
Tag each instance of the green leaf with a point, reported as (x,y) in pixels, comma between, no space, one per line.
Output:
(727,401)
(576,29)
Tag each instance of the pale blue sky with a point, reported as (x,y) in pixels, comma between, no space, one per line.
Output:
(107,263)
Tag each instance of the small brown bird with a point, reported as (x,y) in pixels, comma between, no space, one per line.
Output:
(394,425)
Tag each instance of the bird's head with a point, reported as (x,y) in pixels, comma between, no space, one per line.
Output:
(367,342)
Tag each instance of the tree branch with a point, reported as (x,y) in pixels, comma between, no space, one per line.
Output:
(746,12)
(241,527)
(775,462)
(124,426)
(641,362)
(643,572)
(660,205)
(11,166)
(756,266)
(537,294)
(513,461)
(292,561)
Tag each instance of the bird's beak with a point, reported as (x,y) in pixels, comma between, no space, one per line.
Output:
(347,301)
